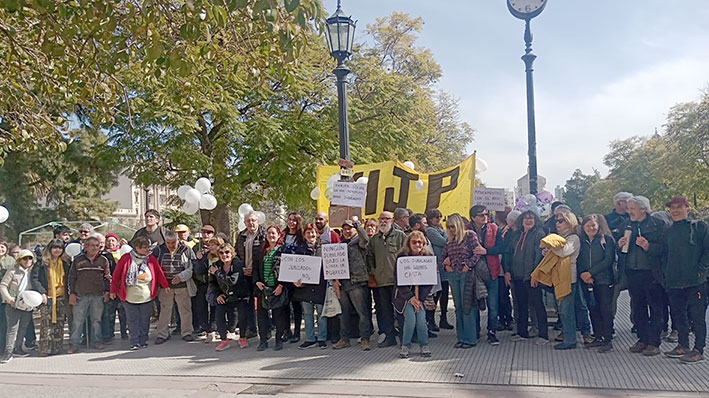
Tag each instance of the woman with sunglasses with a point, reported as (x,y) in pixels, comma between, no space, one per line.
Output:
(227,279)
(266,281)
(49,278)
(408,300)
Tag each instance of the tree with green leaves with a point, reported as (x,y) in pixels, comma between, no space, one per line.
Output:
(575,189)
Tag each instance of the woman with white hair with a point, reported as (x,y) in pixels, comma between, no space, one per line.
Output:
(641,247)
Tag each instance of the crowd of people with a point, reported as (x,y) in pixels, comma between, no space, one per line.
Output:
(210,289)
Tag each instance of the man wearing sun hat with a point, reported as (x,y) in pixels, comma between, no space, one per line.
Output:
(183,233)
(685,269)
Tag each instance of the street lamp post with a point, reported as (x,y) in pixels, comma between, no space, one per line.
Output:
(526,10)
(340,37)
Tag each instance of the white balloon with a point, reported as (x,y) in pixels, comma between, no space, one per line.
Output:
(190,208)
(182,190)
(72,249)
(245,209)
(420,185)
(410,165)
(480,165)
(261,216)
(315,193)
(362,180)
(203,185)
(125,249)
(333,178)
(192,196)
(28,300)
(207,202)
(328,194)
(242,225)
(4,214)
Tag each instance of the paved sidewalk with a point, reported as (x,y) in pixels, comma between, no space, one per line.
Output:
(510,364)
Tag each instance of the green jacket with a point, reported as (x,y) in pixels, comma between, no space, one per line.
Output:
(687,254)
(381,256)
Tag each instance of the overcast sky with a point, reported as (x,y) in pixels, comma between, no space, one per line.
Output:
(605,70)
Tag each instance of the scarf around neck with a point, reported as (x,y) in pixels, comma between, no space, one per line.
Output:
(137,264)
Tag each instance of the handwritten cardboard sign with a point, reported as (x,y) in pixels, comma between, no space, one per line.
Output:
(349,194)
(492,198)
(416,270)
(335,262)
(296,267)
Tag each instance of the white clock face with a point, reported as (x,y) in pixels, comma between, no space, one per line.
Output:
(527,6)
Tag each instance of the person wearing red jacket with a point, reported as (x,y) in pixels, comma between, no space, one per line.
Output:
(135,282)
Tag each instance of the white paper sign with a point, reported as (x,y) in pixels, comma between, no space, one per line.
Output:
(295,267)
(334,261)
(416,270)
(492,198)
(349,194)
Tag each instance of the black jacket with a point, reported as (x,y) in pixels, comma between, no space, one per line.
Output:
(275,267)
(616,222)
(524,254)
(687,257)
(308,292)
(598,257)
(233,283)
(39,277)
(637,259)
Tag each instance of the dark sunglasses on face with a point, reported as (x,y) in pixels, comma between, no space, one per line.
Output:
(560,220)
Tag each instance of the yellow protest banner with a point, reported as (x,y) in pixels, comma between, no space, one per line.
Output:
(392,185)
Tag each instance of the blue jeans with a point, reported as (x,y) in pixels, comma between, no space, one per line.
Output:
(414,320)
(309,315)
(465,325)
(90,305)
(567,314)
(493,305)
(583,323)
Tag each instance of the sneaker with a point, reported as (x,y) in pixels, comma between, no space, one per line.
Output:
(231,336)
(673,337)
(692,357)
(278,346)
(322,344)
(160,340)
(541,341)
(341,344)
(651,351)
(6,357)
(262,346)
(243,342)
(458,344)
(381,338)
(224,345)
(559,337)
(606,347)
(135,347)
(465,346)
(145,345)
(188,337)
(425,351)
(307,345)
(677,352)
(365,345)
(19,353)
(492,339)
(588,339)
(638,347)
(209,338)
(564,346)
(404,353)
(593,344)
(295,338)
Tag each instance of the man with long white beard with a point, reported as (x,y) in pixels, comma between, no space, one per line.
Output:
(381,260)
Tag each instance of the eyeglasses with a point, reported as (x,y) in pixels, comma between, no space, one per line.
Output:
(482,215)
(417,242)
(25,258)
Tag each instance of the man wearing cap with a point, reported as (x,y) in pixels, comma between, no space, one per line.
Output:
(640,256)
(202,247)
(183,233)
(401,220)
(686,262)
(353,291)
(13,284)
(88,284)
(249,248)
(381,260)
(152,230)
(176,260)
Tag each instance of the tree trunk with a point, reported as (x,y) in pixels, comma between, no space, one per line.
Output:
(219,218)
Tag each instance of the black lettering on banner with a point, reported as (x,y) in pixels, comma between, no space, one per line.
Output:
(436,188)
(372,193)
(406,178)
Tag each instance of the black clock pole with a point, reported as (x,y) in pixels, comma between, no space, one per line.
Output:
(528,59)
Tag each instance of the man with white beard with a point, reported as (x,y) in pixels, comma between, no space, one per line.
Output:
(381,260)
